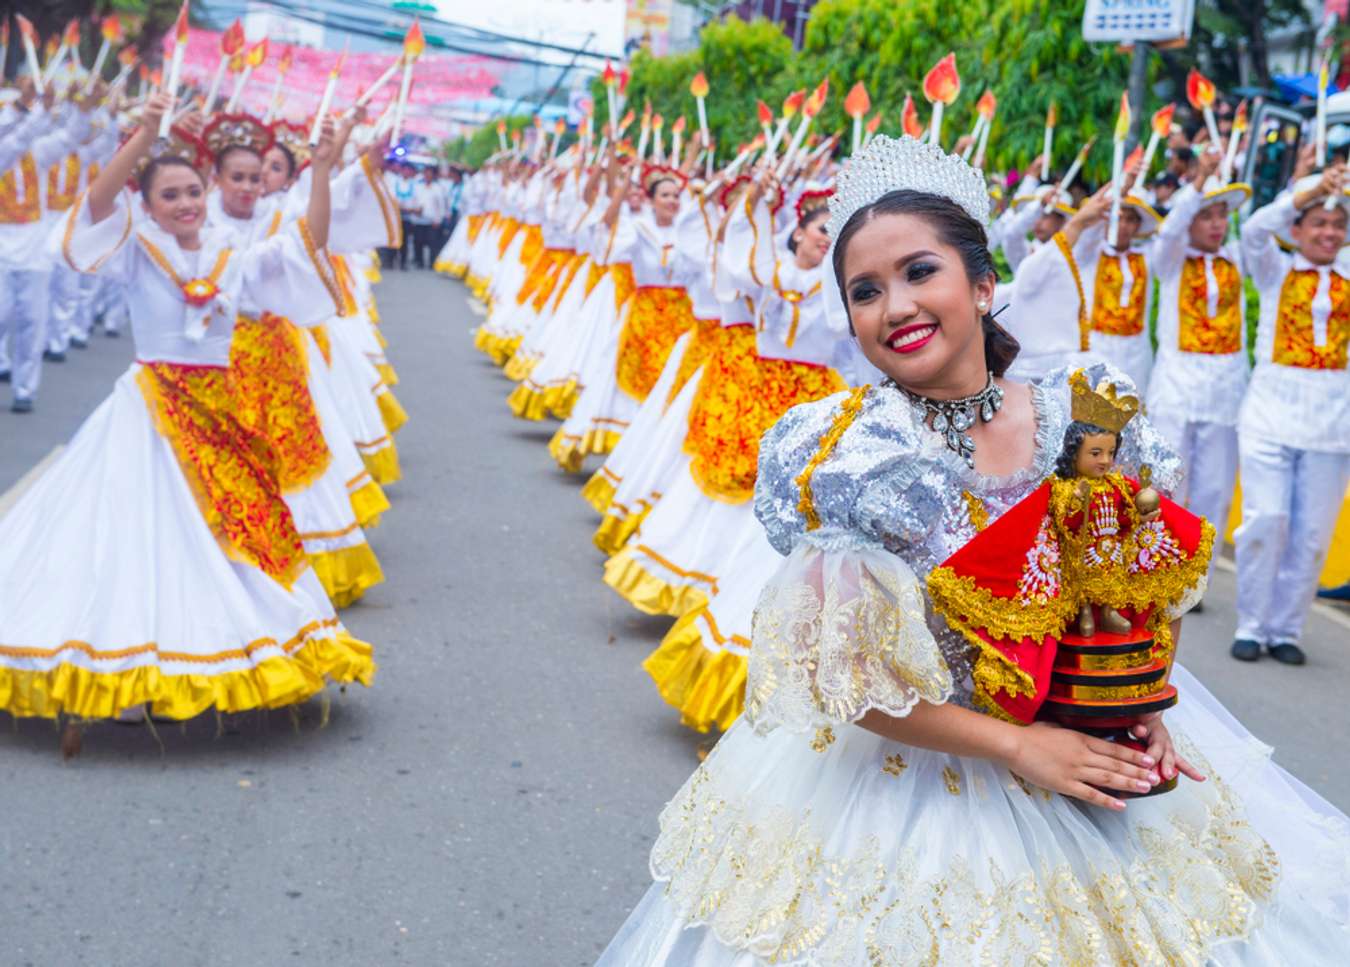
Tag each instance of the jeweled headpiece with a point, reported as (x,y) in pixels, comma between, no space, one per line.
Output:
(1101,406)
(181,143)
(727,196)
(887,164)
(236,130)
(813,201)
(295,139)
(651,174)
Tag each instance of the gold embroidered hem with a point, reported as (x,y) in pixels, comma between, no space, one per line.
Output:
(562,396)
(232,471)
(270,374)
(310,662)
(347,573)
(599,491)
(521,365)
(707,688)
(382,463)
(619,525)
(391,410)
(387,374)
(527,402)
(571,451)
(369,503)
(649,593)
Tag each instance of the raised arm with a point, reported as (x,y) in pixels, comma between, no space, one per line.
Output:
(108,185)
(319,212)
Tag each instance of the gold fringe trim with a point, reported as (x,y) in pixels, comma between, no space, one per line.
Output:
(848,412)
(617,529)
(383,464)
(521,365)
(648,593)
(599,491)
(571,452)
(272,683)
(560,398)
(368,504)
(706,687)
(347,573)
(526,402)
(391,410)
(387,374)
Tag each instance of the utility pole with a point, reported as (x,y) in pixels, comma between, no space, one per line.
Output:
(1138,91)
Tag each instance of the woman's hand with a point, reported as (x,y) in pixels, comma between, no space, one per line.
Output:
(160,104)
(325,152)
(1074,764)
(1161,749)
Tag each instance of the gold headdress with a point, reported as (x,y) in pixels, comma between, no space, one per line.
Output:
(181,143)
(1101,407)
(651,174)
(236,130)
(295,139)
(812,201)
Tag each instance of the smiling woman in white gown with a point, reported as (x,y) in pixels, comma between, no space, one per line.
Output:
(156,562)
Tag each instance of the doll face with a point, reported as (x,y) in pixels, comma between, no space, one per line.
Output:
(276,172)
(813,241)
(1319,234)
(1130,223)
(913,307)
(176,200)
(1209,228)
(240,180)
(1047,226)
(1096,455)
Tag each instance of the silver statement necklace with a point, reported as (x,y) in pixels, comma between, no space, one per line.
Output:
(952,418)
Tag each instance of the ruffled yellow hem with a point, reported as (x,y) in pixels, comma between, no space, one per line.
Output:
(618,528)
(521,365)
(347,573)
(706,687)
(373,274)
(571,451)
(456,270)
(561,397)
(368,503)
(527,403)
(599,491)
(383,464)
(391,410)
(647,592)
(379,336)
(478,286)
(387,374)
(273,683)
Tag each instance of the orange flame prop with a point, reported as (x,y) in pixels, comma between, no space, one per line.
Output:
(609,77)
(658,122)
(1136,156)
(287,57)
(793,103)
(26,28)
(71,36)
(559,127)
(765,113)
(942,84)
(1123,118)
(857,103)
(180,26)
(699,85)
(626,120)
(1162,120)
(111,28)
(987,105)
(127,56)
(1200,90)
(817,99)
(232,40)
(874,122)
(414,42)
(678,125)
(1051,115)
(909,118)
(623,81)
(1240,117)
(256,54)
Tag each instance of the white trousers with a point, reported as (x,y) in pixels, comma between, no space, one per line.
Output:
(1209,462)
(111,304)
(24,298)
(67,297)
(1290,501)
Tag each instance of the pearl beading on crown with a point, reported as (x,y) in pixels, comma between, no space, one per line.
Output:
(889,164)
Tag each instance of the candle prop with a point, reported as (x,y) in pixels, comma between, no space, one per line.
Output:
(645,132)
(1234,139)
(231,43)
(4,41)
(28,33)
(254,58)
(559,128)
(873,124)
(611,79)
(1067,181)
(791,105)
(54,58)
(1200,92)
(111,29)
(126,59)
(987,106)
(380,81)
(658,148)
(626,120)
(623,87)
(1118,165)
(1161,123)
(413,45)
(710,162)
(1048,149)
(1322,114)
(180,39)
(699,88)
(856,106)
(909,118)
(941,87)
(676,137)
(326,101)
(501,134)
(809,110)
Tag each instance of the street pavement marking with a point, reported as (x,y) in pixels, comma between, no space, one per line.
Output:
(11,496)
(1329,611)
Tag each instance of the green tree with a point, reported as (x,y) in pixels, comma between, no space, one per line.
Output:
(475,149)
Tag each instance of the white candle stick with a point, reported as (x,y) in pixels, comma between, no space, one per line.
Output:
(935,125)
(383,79)
(326,101)
(94,71)
(1048,151)
(30,54)
(975,130)
(984,143)
(404,87)
(797,138)
(1117,179)
(1321,116)
(175,66)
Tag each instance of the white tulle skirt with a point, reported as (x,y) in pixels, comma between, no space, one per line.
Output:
(114,591)
(844,848)
(554,384)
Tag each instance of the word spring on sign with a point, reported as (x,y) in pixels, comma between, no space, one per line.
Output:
(1131,20)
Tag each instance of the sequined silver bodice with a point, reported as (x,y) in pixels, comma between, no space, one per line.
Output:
(892,483)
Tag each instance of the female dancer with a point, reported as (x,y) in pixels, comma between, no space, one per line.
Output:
(156,562)
(862,811)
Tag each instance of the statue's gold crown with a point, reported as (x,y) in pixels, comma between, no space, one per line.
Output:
(1101,406)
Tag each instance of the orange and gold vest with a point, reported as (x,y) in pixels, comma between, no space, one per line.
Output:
(1294,337)
(1198,331)
(60,197)
(1108,315)
(20,207)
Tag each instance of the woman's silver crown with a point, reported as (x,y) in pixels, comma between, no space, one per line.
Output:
(889,164)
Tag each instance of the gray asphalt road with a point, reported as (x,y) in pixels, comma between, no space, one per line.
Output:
(492,799)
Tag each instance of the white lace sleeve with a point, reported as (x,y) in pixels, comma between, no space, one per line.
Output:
(837,633)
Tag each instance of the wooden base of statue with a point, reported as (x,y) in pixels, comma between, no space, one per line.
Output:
(1102,686)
